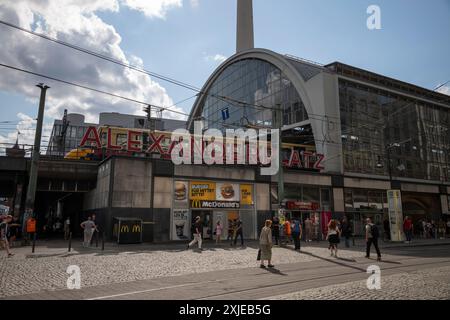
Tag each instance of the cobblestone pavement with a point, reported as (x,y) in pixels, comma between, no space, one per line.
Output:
(429,284)
(25,273)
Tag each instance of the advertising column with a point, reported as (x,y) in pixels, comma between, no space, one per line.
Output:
(395,214)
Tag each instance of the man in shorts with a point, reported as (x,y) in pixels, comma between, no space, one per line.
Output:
(4,234)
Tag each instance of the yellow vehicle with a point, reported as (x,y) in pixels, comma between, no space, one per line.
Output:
(80,154)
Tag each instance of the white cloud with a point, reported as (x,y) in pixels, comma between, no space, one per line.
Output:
(444,90)
(219,58)
(153,8)
(77,22)
(26,129)
(194,3)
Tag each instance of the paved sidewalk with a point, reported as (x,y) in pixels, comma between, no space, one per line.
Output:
(60,247)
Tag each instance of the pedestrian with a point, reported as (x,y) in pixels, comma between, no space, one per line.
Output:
(218,232)
(93,218)
(333,237)
(88,227)
(387,229)
(408,229)
(433,233)
(308,229)
(230,231)
(4,226)
(265,244)
(346,231)
(424,229)
(442,228)
(238,232)
(448,226)
(287,231)
(13,231)
(276,229)
(198,227)
(372,235)
(66,228)
(296,233)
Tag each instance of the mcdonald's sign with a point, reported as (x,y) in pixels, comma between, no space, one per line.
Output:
(196,204)
(129,230)
(203,204)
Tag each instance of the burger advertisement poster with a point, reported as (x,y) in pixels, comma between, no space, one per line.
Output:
(227,192)
(181,191)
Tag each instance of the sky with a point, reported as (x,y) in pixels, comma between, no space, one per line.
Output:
(188,39)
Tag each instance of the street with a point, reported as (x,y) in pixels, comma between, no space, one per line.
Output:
(170,272)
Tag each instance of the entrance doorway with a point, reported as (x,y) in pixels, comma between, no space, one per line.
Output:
(207,222)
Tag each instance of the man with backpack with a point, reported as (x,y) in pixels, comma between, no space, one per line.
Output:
(296,233)
(372,235)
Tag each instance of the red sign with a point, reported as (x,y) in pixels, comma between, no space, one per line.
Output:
(145,141)
(298,205)
(304,160)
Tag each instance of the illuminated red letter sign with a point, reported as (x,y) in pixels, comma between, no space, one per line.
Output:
(110,145)
(88,138)
(134,145)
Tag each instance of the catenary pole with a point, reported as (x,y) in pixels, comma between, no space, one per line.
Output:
(32,183)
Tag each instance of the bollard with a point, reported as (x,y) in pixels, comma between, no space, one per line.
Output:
(103,242)
(70,241)
(34,242)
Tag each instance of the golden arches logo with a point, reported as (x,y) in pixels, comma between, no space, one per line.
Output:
(136,228)
(124,229)
(196,203)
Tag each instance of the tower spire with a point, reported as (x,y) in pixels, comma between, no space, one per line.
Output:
(244,33)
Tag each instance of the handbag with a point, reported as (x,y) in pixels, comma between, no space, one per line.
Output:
(258,257)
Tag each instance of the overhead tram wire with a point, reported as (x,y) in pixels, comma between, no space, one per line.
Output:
(90,89)
(135,68)
(102,56)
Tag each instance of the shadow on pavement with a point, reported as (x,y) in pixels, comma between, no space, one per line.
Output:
(276,271)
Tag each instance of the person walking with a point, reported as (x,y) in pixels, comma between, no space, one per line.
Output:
(230,231)
(238,232)
(346,231)
(296,233)
(276,229)
(308,229)
(88,226)
(198,230)
(287,231)
(333,237)
(218,232)
(408,229)
(66,228)
(4,234)
(265,244)
(387,230)
(372,235)
(448,226)
(442,228)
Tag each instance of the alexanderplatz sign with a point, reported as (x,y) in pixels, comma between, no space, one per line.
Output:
(237,147)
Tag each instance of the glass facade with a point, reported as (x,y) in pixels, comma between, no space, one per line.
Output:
(377,125)
(365,203)
(249,90)
(60,145)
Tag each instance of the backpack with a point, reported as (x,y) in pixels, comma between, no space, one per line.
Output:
(374,231)
(297,227)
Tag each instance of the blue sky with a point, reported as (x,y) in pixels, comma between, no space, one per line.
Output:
(413,44)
